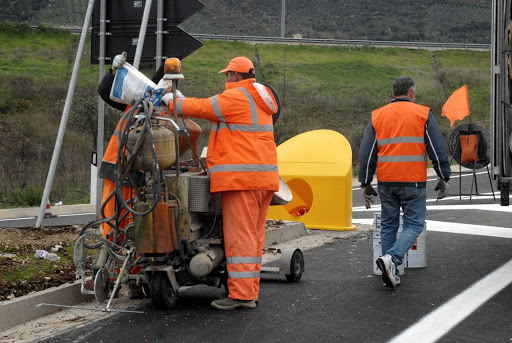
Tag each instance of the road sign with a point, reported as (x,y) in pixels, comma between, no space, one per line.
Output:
(175,11)
(176,43)
(123,20)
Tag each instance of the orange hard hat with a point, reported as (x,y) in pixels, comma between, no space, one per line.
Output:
(239,64)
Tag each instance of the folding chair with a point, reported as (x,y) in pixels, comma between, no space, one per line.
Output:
(470,151)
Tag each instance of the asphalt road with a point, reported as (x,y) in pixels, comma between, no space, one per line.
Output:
(464,294)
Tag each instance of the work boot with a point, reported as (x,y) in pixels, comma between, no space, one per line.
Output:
(388,268)
(231,304)
(225,295)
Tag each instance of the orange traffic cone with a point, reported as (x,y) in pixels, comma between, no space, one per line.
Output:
(48,211)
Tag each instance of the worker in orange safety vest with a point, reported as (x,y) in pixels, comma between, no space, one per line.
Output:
(397,141)
(242,164)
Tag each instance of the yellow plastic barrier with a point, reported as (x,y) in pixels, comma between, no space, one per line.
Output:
(317,167)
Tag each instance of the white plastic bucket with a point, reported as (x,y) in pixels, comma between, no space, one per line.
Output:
(377,246)
(417,255)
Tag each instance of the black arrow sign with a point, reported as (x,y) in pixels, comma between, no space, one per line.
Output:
(122,11)
(176,43)
(180,10)
(123,21)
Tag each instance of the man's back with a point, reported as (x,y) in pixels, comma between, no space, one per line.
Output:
(400,131)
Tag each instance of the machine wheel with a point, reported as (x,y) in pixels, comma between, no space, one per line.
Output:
(162,295)
(101,286)
(296,266)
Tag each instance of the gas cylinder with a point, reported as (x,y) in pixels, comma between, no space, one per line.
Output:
(204,262)
(163,139)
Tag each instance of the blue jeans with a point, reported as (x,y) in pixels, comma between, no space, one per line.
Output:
(413,202)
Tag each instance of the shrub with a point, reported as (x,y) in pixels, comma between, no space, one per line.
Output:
(15,28)
(29,196)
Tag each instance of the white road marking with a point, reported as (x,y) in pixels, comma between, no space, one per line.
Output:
(13,219)
(454,175)
(439,322)
(466,229)
(469,229)
(481,196)
(76,214)
(484,207)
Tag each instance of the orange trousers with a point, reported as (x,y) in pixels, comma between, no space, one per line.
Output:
(244,216)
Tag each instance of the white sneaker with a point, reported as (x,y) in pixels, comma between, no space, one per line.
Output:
(388,268)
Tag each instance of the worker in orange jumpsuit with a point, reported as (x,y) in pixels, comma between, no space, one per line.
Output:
(242,164)
(108,166)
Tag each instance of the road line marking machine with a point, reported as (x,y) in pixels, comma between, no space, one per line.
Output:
(166,226)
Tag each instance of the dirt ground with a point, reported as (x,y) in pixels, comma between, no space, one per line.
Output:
(17,248)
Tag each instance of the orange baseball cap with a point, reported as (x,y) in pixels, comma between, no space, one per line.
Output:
(239,64)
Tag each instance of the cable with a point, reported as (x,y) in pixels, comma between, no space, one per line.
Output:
(124,165)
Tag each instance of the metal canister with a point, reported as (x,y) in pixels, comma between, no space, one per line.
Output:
(165,149)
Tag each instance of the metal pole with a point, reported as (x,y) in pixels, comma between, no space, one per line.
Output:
(176,141)
(283,16)
(101,108)
(142,34)
(65,115)
(159,33)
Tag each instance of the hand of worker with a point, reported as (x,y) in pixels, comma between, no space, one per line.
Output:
(167,93)
(368,194)
(442,187)
(119,61)
(167,98)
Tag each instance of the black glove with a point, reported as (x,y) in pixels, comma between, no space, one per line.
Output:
(368,194)
(442,187)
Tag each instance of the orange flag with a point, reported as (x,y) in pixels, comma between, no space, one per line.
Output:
(457,105)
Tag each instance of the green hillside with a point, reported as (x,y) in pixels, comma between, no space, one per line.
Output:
(449,21)
(320,88)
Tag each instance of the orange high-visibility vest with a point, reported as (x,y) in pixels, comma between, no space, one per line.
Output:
(400,134)
(110,154)
(241,149)
(107,171)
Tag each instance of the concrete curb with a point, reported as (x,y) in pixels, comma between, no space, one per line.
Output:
(283,233)
(23,309)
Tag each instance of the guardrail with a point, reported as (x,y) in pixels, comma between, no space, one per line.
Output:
(346,42)
(338,42)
